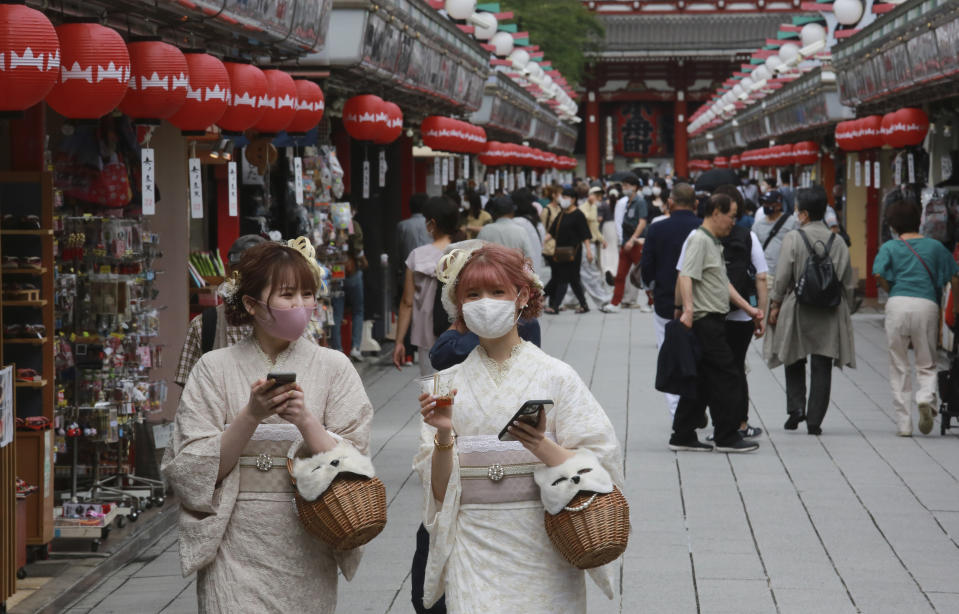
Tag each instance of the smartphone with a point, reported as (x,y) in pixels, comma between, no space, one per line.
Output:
(281,378)
(528,413)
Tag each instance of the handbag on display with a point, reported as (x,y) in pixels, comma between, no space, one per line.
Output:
(112,187)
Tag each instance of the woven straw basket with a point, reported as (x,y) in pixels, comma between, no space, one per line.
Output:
(593,535)
(351,512)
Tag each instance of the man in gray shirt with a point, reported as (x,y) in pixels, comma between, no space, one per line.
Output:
(504,230)
(411,232)
(771,229)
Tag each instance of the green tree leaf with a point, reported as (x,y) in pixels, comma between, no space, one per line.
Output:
(565,30)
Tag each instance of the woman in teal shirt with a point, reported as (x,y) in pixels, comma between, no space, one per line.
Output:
(913,269)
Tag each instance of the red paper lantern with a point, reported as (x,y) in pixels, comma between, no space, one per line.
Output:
(159,81)
(94,71)
(392,125)
(29,57)
(735,161)
(278,103)
(247,86)
(360,116)
(208,94)
(870,130)
(843,135)
(905,128)
(806,152)
(495,154)
(721,162)
(310,105)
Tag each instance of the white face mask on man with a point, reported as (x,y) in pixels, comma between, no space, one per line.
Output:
(490,318)
(565,201)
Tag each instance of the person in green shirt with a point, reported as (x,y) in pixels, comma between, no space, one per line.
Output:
(913,269)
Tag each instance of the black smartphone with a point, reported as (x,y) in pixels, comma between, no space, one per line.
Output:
(281,378)
(528,413)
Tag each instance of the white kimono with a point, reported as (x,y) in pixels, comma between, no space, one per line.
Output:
(497,557)
(243,537)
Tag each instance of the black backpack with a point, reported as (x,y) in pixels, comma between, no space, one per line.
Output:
(818,286)
(737,252)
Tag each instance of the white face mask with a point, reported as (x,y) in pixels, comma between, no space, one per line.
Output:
(490,318)
(657,190)
(647,191)
(565,202)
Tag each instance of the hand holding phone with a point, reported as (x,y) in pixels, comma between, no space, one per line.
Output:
(529,413)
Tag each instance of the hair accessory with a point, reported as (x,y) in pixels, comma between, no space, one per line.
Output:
(450,266)
(305,247)
(229,287)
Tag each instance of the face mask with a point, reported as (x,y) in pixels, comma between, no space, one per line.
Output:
(490,318)
(287,324)
(629,191)
(768,210)
(647,191)
(565,202)
(657,190)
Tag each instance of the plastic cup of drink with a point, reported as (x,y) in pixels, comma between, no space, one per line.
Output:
(439,386)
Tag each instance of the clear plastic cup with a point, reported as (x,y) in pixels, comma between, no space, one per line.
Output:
(438,385)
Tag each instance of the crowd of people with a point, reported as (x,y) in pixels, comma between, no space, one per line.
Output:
(717,268)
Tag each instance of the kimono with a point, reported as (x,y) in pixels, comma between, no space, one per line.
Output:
(496,557)
(243,537)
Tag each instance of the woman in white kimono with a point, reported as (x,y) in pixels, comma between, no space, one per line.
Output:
(489,551)
(227,463)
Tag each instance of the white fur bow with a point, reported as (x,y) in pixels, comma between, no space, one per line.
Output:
(314,475)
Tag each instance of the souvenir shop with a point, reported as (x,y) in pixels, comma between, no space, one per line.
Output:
(857,100)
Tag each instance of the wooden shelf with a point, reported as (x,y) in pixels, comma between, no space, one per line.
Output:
(27,233)
(30,271)
(39,384)
(40,303)
(37,341)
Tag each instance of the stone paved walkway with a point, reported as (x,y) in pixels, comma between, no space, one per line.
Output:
(858,520)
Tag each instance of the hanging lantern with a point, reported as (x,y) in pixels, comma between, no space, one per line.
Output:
(721,162)
(805,153)
(360,116)
(29,57)
(392,126)
(735,161)
(310,105)
(905,128)
(843,136)
(871,132)
(158,83)
(278,103)
(94,71)
(495,154)
(247,86)
(208,93)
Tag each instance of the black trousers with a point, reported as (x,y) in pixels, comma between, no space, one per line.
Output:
(418,575)
(718,386)
(566,274)
(820,384)
(739,335)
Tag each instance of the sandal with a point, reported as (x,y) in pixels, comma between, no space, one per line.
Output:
(550,311)
(28,375)
(582,310)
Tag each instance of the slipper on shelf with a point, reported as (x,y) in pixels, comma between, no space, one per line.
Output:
(28,375)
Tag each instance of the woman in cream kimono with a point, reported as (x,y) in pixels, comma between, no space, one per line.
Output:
(238,527)
(489,551)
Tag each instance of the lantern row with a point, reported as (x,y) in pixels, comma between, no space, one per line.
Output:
(85,70)
(903,128)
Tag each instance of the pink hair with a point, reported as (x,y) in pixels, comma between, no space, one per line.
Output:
(496,265)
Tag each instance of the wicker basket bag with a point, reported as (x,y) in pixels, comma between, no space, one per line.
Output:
(351,512)
(592,530)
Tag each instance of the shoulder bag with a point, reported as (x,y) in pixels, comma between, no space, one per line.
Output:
(775,230)
(932,278)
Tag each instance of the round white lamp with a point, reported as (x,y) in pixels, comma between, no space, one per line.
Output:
(812,33)
(848,12)
(519,58)
(485,25)
(789,52)
(460,9)
(502,44)
(772,63)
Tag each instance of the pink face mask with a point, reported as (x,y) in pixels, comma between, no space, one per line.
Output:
(287,324)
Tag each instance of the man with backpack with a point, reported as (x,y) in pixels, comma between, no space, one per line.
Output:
(771,229)
(809,311)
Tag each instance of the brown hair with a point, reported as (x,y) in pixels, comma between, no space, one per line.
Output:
(495,264)
(552,191)
(269,265)
(903,213)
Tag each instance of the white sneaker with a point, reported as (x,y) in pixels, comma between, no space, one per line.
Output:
(646,308)
(609,308)
(356,355)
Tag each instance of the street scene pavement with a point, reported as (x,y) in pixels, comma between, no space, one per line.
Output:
(856,520)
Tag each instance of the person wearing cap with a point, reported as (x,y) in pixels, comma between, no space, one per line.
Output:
(771,228)
(210,330)
(571,232)
(504,230)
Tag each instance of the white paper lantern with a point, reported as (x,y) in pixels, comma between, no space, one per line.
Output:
(848,12)
(788,52)
(772,63)
(812,33)
(502,43)
(738,89)
(535,71)
(519,58)
(485,25)
(747,83)
(761,73)
(460,9)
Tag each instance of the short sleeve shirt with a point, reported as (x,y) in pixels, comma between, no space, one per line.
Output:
(905,273)
(703,263)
